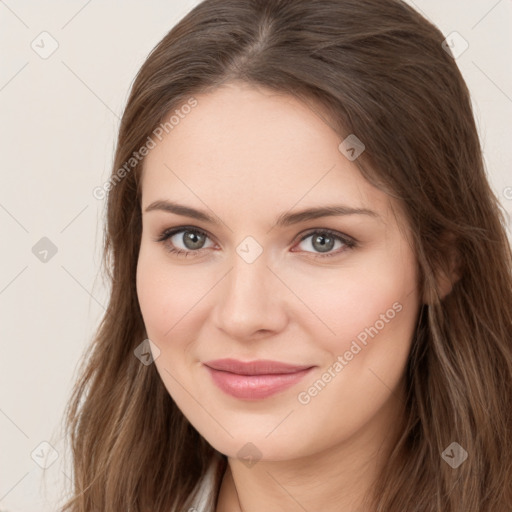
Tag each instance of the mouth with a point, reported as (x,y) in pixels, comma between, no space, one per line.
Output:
(254,380)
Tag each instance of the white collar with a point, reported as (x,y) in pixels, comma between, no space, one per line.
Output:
(204,500)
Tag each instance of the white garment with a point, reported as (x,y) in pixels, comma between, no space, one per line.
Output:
(205,498)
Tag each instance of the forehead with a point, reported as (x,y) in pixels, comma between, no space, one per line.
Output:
(248,151)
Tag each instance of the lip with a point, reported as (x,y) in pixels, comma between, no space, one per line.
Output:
(254,380)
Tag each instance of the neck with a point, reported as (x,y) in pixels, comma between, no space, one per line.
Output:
(339,478)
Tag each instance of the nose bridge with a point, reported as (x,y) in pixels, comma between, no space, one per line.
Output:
(248,300)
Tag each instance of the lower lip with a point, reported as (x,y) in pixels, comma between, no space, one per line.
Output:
(255,387)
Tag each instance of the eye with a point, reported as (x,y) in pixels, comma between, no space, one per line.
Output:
(324,240)
(191,239)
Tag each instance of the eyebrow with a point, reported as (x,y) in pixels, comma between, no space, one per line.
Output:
(283,220)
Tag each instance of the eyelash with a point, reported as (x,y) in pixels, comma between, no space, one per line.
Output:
(349,242)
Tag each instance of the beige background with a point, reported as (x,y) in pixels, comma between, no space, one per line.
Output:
(58,125)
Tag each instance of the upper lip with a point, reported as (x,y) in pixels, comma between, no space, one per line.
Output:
(257,367)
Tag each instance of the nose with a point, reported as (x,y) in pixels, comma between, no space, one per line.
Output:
(250,301)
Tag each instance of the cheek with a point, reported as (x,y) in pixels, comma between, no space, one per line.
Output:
(170,298)
(154,291)
(374,319)
(375,298)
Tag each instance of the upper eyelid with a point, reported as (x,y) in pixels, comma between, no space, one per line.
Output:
(168,233)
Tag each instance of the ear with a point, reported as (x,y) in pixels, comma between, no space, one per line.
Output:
(450,272)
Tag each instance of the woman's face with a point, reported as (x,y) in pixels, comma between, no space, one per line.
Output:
(265,275)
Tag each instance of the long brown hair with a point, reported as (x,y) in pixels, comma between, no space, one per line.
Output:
(379,68)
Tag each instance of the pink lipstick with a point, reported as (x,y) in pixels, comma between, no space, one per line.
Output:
(254,380)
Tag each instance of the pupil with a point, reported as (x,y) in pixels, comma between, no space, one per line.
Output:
(323,246)
(192,240)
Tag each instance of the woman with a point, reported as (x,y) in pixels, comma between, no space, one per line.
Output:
(311,280)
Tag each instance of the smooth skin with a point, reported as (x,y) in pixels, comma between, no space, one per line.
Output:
(246,155)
